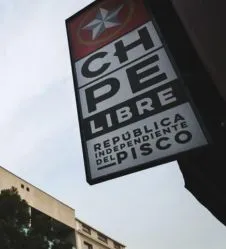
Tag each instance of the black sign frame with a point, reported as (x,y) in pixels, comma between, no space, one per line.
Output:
(180,77)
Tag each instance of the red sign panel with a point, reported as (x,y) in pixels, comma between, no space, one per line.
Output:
(107,21)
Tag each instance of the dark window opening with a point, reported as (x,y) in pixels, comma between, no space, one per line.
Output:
(116,245)
(86,229)
(87,246)
(102,238)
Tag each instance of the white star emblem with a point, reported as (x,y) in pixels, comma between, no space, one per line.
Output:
(104,19)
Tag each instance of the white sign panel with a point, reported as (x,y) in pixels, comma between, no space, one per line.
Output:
(148,69)
(164,134)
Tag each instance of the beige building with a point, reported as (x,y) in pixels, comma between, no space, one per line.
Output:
(80,234)
(88,237)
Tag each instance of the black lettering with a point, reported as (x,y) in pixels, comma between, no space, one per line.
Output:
(175,127)
(101,153)
(90,96)
(178,118)
(137,140)
(106,143)
(122,146)
(137,132)
(147,130)
(106,159)
(183,137)
(184,125)
(135,77)
(121,156)
(86,72)
(146,148)
(160,145)
(134,154)
(166,130)
(97,147)
(165,122)
(145,40)
(115,140)
(108,151)
(158,134)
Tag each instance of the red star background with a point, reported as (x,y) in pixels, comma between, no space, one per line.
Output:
(132,15)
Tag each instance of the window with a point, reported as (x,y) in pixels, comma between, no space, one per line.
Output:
(87,246)
(86,229)
(27,189)
(22,186)
(116,245)
(102,237)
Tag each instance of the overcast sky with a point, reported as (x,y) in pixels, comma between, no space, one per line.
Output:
(40,142)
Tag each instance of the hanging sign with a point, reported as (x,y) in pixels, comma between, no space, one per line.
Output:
(133,110)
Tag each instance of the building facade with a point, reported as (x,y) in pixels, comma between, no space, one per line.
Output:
(88,237)
(78,233)
(42,204)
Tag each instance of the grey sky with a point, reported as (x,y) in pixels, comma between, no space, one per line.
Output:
(40,140)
